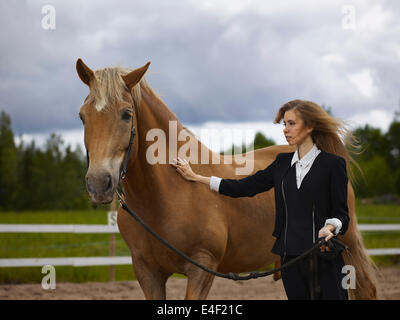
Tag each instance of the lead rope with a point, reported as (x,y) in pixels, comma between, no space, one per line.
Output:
(230,275)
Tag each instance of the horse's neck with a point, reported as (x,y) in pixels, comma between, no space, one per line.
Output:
(154,114)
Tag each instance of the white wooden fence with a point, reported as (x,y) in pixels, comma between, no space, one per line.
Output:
(124,260)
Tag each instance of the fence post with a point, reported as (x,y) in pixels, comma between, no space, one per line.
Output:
(112,243)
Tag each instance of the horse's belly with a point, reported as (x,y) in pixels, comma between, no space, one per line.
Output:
(250,237)
(248,260)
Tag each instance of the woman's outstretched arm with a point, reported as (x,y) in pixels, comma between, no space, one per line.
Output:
(249,186)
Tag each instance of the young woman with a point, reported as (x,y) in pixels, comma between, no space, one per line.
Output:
(310,195)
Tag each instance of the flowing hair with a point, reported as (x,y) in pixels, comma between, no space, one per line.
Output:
(329,134)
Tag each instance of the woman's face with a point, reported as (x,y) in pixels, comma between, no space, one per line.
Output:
(295,131)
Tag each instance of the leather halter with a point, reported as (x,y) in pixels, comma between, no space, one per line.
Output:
(122,172)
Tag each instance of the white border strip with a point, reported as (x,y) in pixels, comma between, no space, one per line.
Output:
(383,252)
(100,228)
(57,228)
(75,262)
(379,227)
(105,261)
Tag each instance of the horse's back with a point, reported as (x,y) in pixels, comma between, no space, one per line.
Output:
(272,151)
(256,159)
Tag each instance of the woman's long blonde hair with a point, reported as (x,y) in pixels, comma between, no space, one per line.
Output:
(329,134)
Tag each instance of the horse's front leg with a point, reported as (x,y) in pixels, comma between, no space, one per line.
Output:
(152,279)
(199,281)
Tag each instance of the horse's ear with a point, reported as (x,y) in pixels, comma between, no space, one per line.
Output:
(84,72)
(132,78)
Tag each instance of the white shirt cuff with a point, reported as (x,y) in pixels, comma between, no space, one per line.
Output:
(335,222)
(214,183)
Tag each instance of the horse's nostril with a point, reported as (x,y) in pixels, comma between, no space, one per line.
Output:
(109,183)
(89,186)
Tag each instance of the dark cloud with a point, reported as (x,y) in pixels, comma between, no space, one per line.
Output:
(211,61)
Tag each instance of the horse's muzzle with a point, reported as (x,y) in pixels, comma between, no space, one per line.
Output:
(101,187)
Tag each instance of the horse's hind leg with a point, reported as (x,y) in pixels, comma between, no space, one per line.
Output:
(151,278)
(199,281)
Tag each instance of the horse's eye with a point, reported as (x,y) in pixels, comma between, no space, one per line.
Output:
(82,119)
(126,115)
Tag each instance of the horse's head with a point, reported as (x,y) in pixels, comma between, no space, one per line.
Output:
(108,115)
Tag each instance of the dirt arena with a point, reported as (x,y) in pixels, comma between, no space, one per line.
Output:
(256,289)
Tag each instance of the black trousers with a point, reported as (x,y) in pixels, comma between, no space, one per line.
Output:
(298,279)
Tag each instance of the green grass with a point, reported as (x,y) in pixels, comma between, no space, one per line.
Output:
(31,245)
(380,214)
(42,245)
(377,213)
(380,239)
(38,245)
(98,216)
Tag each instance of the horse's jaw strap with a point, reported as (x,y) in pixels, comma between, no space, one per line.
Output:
(127,155)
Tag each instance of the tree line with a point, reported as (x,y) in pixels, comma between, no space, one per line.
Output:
(36,179)
(52,178)
(379,161)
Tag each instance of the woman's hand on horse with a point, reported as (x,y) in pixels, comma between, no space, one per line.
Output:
(183,167)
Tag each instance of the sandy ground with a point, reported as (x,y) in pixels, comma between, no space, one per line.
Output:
(257,289)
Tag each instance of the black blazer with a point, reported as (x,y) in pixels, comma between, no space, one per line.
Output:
(325,187)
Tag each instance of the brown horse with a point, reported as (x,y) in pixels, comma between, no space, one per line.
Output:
(222,233)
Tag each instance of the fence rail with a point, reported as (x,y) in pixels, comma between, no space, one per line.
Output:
(379,227)
(102,228)
(123,260)
(57,228)
(75,262)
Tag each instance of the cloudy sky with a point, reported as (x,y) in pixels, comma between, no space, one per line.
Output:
(226,64)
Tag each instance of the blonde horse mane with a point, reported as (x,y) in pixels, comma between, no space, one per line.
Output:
(108,87)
